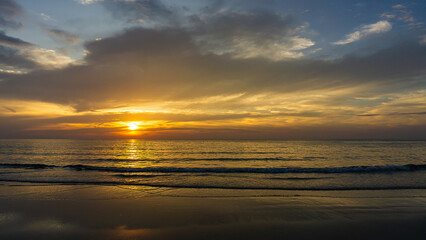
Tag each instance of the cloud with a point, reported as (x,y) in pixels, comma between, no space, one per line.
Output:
(393,114)
(46,58)
(147,65)
(17,55)
(24,127)
(9,10)
(223,27)
(45,17)
(10,71)
(250,35)
(407,17)
(423,39)
(365,31)
(63,36)
(398,6)
(86,2)
(10,58)
(387,15)
(152,12)
(225,70)
(402,14)
(13,42)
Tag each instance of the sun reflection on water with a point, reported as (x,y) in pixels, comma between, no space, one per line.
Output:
(135,151)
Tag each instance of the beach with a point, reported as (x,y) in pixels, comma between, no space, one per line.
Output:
(107,212)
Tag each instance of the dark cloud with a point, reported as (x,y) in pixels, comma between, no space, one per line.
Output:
(245,34)
(142,11)
(244,24)
(21,55)
(404,60)
(239,28)
(10,57)
(9,10)
(9,109)
(13,42)
(243,29)
(166,64)
(393,114)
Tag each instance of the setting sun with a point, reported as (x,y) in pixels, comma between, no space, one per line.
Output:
(162,119)
(132,126)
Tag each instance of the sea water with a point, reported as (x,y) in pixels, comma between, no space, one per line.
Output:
(239,165)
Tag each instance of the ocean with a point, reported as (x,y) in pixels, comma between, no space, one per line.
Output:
(275,165)
(140,189)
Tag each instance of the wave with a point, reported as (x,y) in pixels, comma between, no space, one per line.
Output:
(133,176)
(233,153)
(298,178)
(26,166)
(194,159)
(52,154)
(351,169)
(115,183)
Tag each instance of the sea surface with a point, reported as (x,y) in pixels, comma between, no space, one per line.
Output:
(255,165)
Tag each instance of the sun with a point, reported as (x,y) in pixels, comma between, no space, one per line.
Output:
(132,126)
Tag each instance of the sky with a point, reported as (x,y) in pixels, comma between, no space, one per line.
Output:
(213,69)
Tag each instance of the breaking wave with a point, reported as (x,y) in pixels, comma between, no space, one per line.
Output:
(117,183)
(351,169)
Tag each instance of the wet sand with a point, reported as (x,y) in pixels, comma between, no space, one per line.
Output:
(109,212)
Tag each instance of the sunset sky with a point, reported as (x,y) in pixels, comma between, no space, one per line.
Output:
(193,69)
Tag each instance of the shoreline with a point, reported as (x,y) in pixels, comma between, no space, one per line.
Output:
(107,212)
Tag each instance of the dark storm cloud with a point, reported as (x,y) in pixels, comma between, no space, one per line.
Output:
(166,64)
(9,9)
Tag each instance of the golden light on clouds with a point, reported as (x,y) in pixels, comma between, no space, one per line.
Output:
(36,109)
(244,73)
(208,115)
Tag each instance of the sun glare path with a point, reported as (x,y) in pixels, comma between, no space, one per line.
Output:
(132,126)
